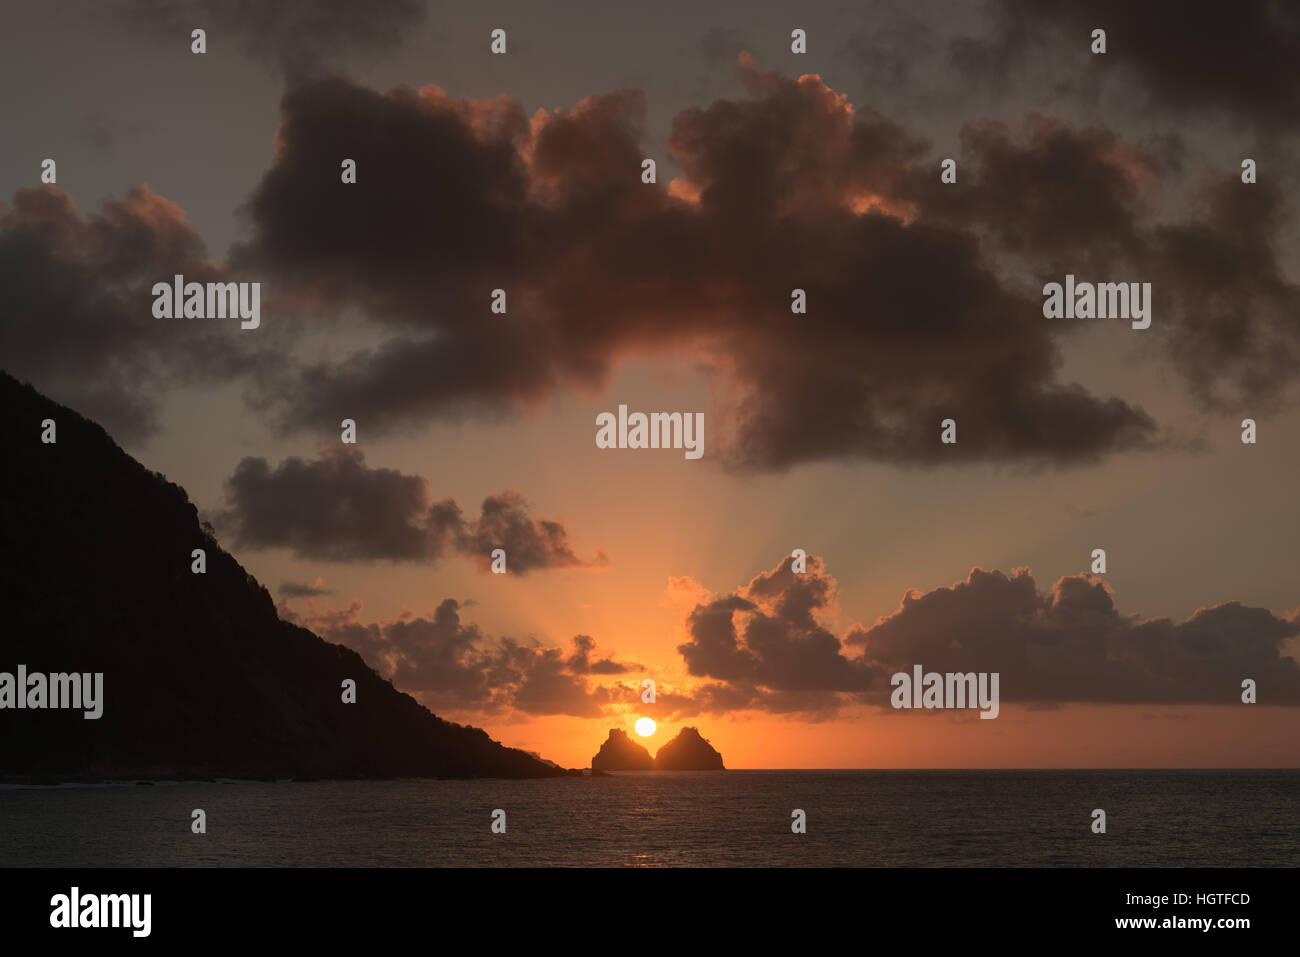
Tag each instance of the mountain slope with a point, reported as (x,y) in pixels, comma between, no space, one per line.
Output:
(201,677)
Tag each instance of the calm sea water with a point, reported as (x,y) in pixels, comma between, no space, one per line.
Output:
(727,818)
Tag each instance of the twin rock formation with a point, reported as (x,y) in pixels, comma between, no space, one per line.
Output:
(686,752)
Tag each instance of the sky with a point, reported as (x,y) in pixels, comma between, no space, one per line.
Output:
(775,171)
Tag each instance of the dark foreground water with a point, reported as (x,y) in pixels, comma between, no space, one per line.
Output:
(728,818)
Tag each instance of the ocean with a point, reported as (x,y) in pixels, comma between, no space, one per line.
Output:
(691,819)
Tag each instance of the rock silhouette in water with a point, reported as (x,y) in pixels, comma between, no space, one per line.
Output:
(689,751)
(201,677)
(621,753)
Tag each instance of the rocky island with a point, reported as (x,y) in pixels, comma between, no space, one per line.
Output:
(621,753)
(689,751)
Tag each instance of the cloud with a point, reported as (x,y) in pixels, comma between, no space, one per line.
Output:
(1224,296)
(792,187)
(337,508)
(288,35)
(1239,59)
(712,698)
(924,299)
(763,647)
(1236,341)
(1049,191)
(580,663)
(452,665)
(545,686)
(303,590)
(504,522)
(78,307)
(766,647)
(1072,645)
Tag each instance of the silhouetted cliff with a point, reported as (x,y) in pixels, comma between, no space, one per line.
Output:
(621,753)
(688,752)
(201,677)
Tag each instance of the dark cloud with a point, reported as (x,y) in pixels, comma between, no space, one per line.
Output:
(908,322)
(1049,192)
(504,522)
(545,686)
(1238,58)
(1073,645)
(1236,341)
(764,647)
(337,508)
(1062,199)
(289,35)
(303,590)
(437,658)
(580,662)
(924,299)
(78,308)
(451,665)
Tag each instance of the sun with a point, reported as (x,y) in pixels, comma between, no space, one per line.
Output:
(645,727)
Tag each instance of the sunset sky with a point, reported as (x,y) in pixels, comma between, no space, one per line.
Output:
(775,171)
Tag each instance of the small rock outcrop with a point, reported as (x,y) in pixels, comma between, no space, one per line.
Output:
(621,753)
(689,751)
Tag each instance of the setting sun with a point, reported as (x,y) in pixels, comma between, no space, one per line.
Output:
(645,727)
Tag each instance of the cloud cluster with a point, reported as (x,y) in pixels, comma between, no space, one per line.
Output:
(580,662)
(924,300)
(452,666)
(768,647)
(337,508)
(907,324)
(1072,644)
(1059,199)
(763,646)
